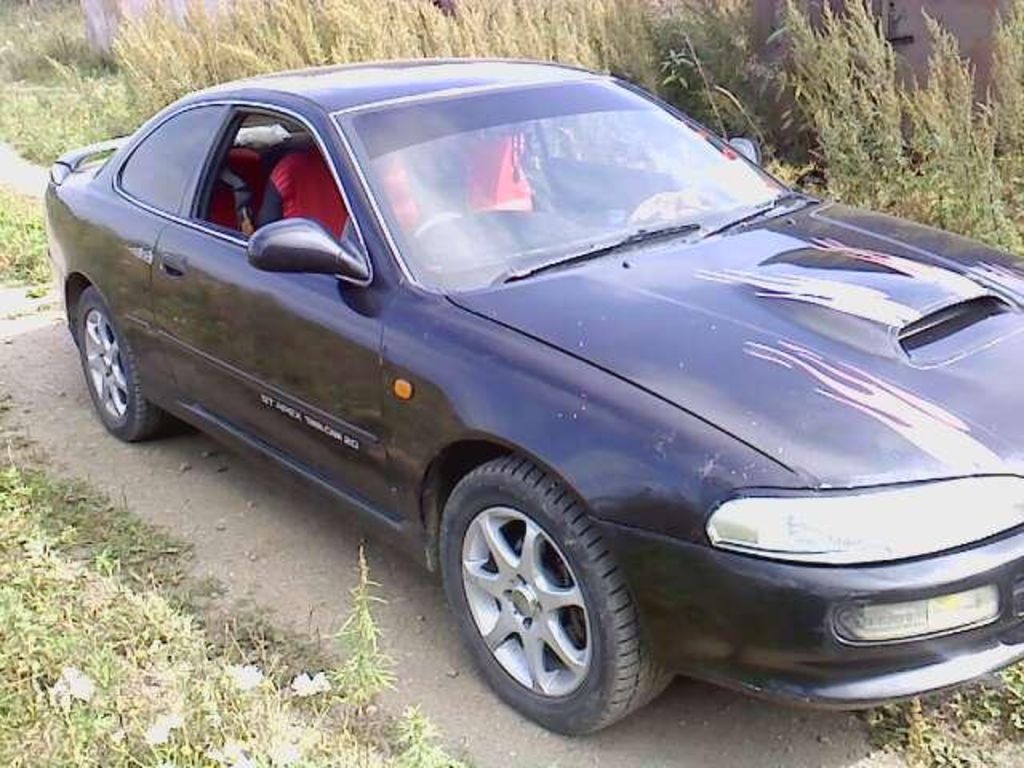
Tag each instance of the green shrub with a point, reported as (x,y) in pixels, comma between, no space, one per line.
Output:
(928,151)
(22,240)
(713,69)
(1008,80)
(956,182)
(1007,102)
(843,77)
(56,93)
(163,58)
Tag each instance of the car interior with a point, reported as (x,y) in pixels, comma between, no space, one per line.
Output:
(271,169)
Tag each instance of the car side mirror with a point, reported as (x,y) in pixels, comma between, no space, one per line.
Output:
(749,148)
(303,245)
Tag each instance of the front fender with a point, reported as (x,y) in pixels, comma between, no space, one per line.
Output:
(633,458)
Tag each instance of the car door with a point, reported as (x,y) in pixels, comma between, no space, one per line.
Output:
(287,362)
(152,180)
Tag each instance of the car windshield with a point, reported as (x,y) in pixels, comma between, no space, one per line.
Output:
(476,188)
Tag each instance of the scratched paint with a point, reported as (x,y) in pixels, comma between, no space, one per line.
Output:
(957,284)
(850,298)
(857,300)
(929,427)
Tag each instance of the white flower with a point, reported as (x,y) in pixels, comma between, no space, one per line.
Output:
(303,685)
(232,755)
(285,753)
(160,731)
(245,677)
(72,684)
(34,548)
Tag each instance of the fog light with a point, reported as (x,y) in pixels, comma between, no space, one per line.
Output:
(875,622)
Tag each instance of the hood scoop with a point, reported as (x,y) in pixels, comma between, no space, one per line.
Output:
(878,302)
(957,330)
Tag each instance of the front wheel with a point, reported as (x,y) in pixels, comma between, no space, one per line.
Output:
(111,374)
(540,602)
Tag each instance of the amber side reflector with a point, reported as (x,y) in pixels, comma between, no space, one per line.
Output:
(403,389)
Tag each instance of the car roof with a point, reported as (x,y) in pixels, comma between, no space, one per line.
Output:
(337,88)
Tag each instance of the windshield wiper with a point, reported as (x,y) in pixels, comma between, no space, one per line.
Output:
(634,238)
(763,210)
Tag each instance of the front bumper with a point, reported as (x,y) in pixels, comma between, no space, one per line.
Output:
(767,627)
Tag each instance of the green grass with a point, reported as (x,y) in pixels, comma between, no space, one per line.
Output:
(22,240)
(44,119)
(978,727)
(55,93)
(106,661)
(39,36)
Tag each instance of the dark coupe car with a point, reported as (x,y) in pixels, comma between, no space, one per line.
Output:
(646,410)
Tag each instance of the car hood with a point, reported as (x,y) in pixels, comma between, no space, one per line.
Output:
(852,347)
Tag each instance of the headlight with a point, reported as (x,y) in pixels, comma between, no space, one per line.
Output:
(872,525)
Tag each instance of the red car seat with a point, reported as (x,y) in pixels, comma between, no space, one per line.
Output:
(398,189)
(496,178)
(246,165)
(301,186)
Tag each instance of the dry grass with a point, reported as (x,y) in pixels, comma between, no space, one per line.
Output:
(22,240)
(164,59)
(101,665)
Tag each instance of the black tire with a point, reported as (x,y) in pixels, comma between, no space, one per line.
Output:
(141,419)
(622,676)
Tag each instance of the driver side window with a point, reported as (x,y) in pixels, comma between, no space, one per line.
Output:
(270,168)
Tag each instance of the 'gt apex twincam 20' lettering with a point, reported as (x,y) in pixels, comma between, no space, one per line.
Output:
(310,421)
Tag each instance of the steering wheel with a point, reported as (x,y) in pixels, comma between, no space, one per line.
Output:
(434,220)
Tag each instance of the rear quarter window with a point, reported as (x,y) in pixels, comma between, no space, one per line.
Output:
(163,167)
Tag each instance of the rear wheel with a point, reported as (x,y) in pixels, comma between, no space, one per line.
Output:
(540,602)
(110,372)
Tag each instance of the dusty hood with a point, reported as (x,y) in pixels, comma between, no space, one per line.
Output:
(852,347)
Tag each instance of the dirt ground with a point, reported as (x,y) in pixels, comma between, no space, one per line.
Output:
(288,551)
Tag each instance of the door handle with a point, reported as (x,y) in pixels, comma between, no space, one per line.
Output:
(173,266)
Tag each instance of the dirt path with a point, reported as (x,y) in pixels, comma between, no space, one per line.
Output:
(19,174)
(268,540)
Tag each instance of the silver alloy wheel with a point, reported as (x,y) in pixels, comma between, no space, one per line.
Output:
(106,372)
(526,602)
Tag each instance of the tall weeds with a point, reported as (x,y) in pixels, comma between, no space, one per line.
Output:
(956,182)
(164,58)
(843,77)
(714,69)
(1007,100)
(930,151)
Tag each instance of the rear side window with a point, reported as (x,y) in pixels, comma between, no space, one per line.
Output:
(163,166)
